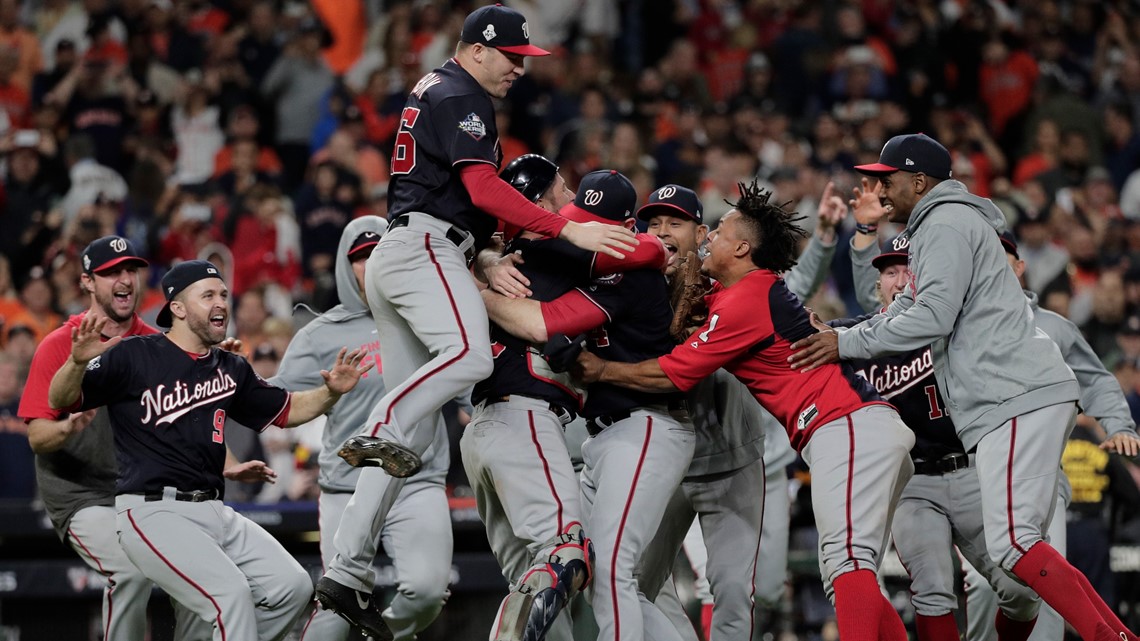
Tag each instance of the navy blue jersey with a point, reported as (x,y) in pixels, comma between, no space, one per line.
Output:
(168,410)
(636,304)
(448,121)
(907,381)
(553,267)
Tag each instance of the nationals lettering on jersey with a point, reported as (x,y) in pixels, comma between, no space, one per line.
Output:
(168,410)
(750,330)
(907,381)
(448,121)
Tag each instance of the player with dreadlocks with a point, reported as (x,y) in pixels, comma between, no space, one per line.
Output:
(854,442)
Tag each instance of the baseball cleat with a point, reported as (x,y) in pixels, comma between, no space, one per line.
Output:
(369,451)
(356,607)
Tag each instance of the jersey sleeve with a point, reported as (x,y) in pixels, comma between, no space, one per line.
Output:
(555,254)
(300,367)
(257,404)
(734,327)
(49,357)
(104,382)
(466,129)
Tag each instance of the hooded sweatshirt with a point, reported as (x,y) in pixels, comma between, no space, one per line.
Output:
(1101,396)
(995,364)
(315,347)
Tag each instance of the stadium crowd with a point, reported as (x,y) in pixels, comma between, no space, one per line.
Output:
(250,132)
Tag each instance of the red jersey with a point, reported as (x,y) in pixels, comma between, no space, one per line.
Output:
(50,356)
(750,330)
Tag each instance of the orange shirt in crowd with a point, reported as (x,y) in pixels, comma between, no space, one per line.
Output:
(41,326)
(267,160)
(1007,88)
(31,60)
(17,104)
(349,27)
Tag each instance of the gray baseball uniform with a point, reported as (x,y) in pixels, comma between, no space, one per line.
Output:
(417,532)
(77,485)
(728,465)
(1005,383)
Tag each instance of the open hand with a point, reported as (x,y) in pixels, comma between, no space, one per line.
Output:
(347,371)
(816,350)
(865,205)
(87,339)
(505,278)
(231,345)
(613,240)
(1124,443)
(832,209)
(251,472)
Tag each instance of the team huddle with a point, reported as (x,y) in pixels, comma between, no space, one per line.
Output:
(938,421)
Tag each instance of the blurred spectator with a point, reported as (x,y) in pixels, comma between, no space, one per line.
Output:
(243,124)
(66,57)
(190,227)
(1108,313)
(1046,143)
(1006,82)
(243,172)
(15,102)
(197,132)
(347,150)
(249,315)
(15,37)
(171,36)
(260,46)
(101,43)
(20,343)
(1122,146)
(89,178)
(149,73)
(94,102)
(265,242)
(59,20)
(322,216)
(31,185)
(297,83)
(17,462)
(38,315)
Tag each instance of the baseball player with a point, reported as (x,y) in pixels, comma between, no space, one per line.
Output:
(1102,399)
(75,464)
(854,442)
(417,533)
(1006,386)
(514,450)
(941,505)
(168,396)
(639,448)
(445,200)
(728,463)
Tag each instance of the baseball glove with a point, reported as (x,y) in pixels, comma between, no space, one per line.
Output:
(687,297)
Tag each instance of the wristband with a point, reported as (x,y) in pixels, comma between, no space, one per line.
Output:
(869,230)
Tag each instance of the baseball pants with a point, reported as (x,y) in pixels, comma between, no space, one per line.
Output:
(1021,460)
(772,563)
(670,605)
(220,565)
(982,602)
(936,512)
(527,492)
(859,466)
(731,512)
(632,469)
(417,535)
(91,533)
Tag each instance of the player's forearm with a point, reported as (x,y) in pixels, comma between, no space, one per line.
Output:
(863,241)
(646,376)
(46,436)
(66,385)
(521,317)
(307,405)
(493,195)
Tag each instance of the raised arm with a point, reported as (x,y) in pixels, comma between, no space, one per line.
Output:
(341,379)
(86,345)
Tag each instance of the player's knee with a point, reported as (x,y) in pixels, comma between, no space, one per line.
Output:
(479,363)
(1006,554)
(424,594)
(934,603)
(296,588)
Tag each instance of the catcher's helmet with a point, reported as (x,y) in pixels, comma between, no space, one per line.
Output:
(531,175)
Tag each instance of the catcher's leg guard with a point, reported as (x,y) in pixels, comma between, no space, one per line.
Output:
(527,613)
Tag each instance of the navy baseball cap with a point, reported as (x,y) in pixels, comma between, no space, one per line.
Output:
(108,251)
(1009,243)
(672,200)
(916,153)
(604,196)
(180,277)
(531,175)
(899,253)
(502,28)
(365,241)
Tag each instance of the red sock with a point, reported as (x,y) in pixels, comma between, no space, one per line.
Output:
(858,605)
(1105,610)
(939,628)
(1051,576)
(706,621)
(1010,630)
(891,627)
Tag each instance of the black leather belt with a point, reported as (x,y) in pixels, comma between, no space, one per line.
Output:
(196,496)
(944,465)
(564,415)
(454,234)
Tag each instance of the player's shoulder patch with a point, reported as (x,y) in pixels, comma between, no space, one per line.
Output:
(474,126)
(430,80)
